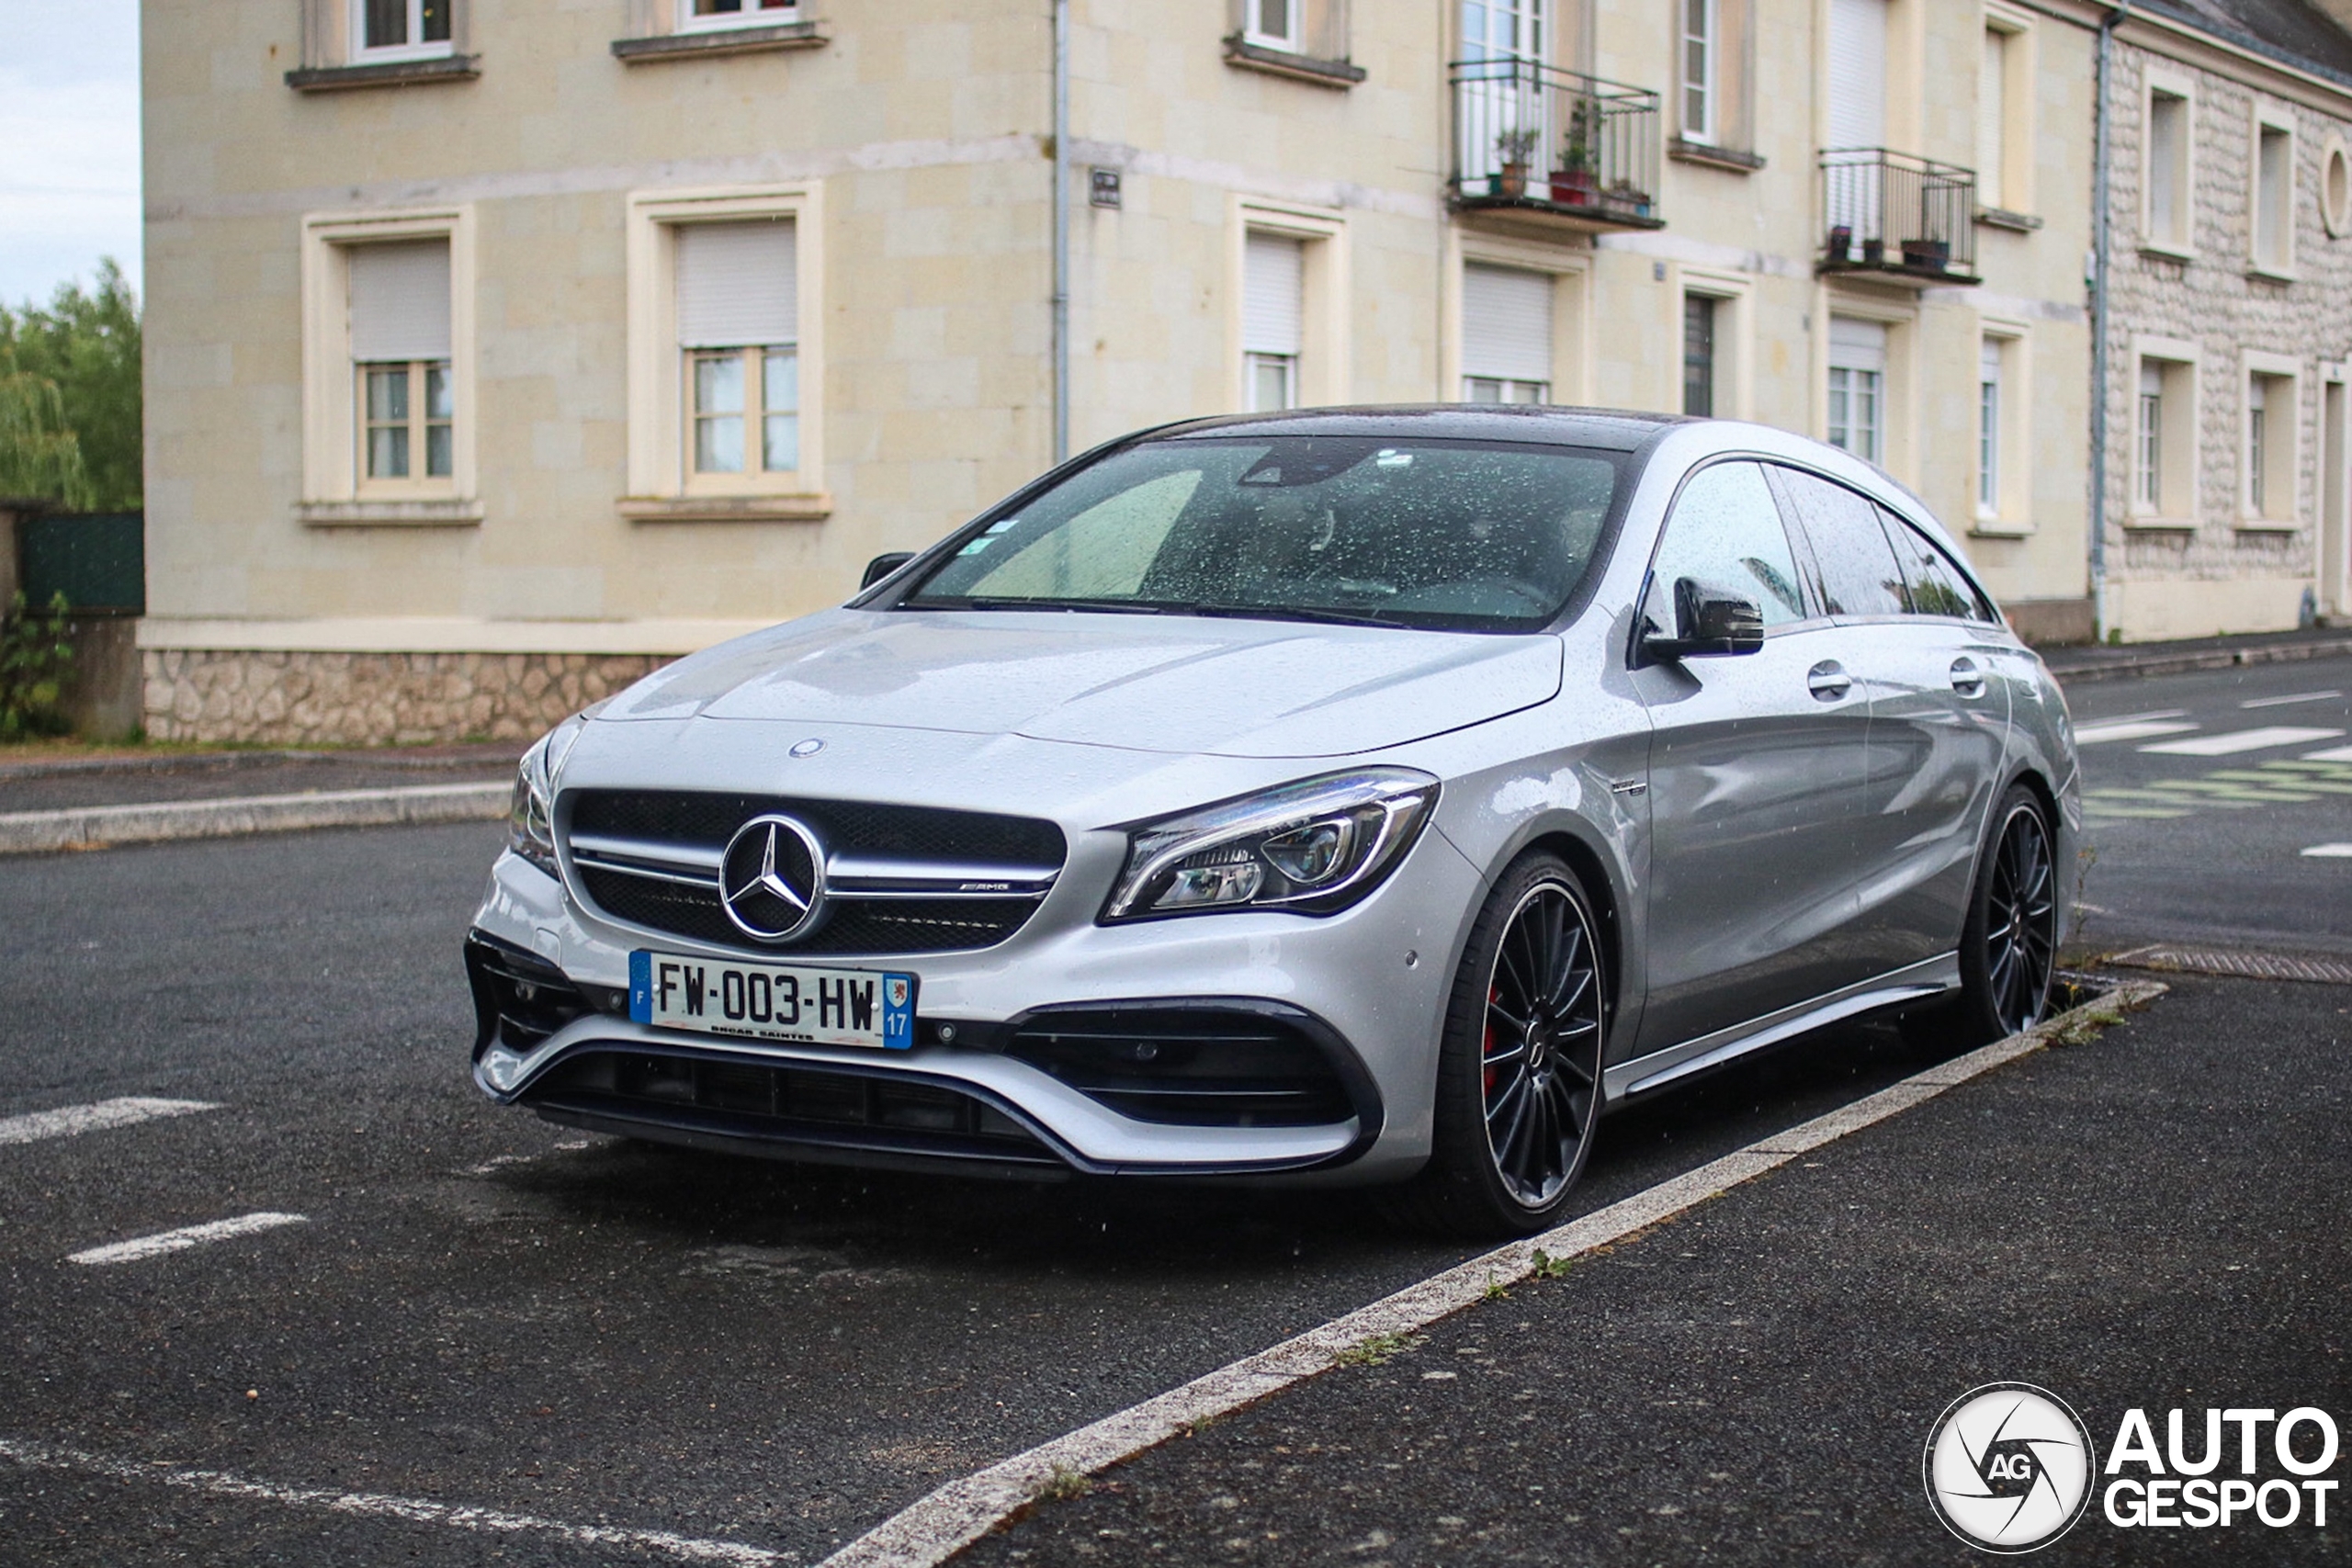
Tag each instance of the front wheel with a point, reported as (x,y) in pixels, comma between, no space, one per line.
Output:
(1519,1066)
(2009,945)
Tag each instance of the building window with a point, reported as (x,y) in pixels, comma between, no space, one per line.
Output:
(402,390)
(1858,388)
(2164,481)
(1272,23)
(1699,314)
(726,370)
(738,334)
(1274,311)
(2271,425)
(1992,120)
(2166,170)
(696,16)
(1988,430)
(2148,490)
(399,29)
(2274,198)
(1506,335)
(1701,68)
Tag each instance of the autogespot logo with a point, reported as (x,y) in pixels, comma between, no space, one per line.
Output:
(2008,1467)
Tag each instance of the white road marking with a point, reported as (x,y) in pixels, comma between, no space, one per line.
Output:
(939,1526)
(2330,851)
(2333,754)
(2284,700)
(2127,729)
(2237,741)
(415,1510)
(67,1120)
(187,1237)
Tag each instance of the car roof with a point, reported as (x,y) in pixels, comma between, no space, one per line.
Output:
(1618,430)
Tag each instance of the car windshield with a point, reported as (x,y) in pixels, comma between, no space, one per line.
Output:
(1446,535)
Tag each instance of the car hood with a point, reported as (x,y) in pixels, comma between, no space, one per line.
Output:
(1153,683)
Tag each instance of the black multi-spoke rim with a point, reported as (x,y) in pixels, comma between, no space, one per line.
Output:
(1542,1045)
(2020,926)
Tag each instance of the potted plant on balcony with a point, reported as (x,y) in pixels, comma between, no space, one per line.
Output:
(1572,182)
(1925,254)
(1512,148)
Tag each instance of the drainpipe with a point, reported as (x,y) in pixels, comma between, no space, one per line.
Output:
(2101,246)
(1061,230)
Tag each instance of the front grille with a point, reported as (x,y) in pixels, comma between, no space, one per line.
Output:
(664,879)
(1207,1067)
(798,1104)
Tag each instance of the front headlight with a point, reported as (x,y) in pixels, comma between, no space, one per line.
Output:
(1312,848)
(530,815)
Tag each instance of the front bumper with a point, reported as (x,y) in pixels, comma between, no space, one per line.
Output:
(993,1098)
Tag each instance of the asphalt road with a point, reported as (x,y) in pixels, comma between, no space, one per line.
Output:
(482,1309)
(2211,847)
(479,1311)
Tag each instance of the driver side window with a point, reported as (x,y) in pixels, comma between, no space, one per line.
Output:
(1726,534)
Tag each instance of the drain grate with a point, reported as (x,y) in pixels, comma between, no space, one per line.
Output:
(2246,966)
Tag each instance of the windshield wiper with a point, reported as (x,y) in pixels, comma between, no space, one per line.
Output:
(1107,606)
(1289,613)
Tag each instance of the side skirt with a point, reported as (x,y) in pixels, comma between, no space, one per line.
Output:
(1661,1069)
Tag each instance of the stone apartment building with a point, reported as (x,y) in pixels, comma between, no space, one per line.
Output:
(2229,318)
(498,350)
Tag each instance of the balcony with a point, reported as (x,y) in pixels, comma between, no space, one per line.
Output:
(1906,218)
(1531,137)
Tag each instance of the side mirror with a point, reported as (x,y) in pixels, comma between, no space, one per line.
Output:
(882,566)
(1708,623)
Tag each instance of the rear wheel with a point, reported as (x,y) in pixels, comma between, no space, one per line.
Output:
(1519,1069)
(2009,947)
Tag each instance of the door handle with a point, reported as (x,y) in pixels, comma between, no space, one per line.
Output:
(1966,678)
(1828,680)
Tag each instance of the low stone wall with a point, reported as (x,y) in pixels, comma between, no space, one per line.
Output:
(373,699)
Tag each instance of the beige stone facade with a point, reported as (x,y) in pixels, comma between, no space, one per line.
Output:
(554,157)
(2213,524)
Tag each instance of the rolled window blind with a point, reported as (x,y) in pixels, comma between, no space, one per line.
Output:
(1857,73)
(1857,344)
(1506,324)
(399,301)
(738,285)
(1273,283)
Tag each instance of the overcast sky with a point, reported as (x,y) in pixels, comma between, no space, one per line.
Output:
(69,142)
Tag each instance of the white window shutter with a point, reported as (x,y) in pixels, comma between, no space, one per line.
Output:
(1272,295)
(1857,344)
(1857,73)
(1991,115)
(399,301)
(1506,324)
(738,285)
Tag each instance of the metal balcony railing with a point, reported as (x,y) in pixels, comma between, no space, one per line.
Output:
(1893,212)
(1527,135)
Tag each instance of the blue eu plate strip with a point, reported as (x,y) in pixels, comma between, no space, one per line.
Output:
(641,986)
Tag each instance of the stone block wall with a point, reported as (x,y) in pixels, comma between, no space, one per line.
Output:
(2221,573)
(373,699)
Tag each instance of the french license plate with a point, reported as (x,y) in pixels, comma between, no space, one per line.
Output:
(772,1002)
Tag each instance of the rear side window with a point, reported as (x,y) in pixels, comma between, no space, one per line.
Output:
(1726,534)
(1859,575)
(1935,586)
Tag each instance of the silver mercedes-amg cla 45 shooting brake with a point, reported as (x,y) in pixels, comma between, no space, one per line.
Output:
(1366,795)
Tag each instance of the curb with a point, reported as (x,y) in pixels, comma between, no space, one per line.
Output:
(91,827)
(2203,659)
(928,1532)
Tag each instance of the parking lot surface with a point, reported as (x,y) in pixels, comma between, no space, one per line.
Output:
(2153,1219)
(283,1287)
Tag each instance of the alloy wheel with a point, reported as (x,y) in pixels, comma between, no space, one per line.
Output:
(2020,917)
(1540,1063)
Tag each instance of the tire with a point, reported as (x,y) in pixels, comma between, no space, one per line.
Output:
(2008,947)
(1515,1117)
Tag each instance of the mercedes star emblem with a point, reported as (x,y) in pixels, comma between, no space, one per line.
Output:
(772,880)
